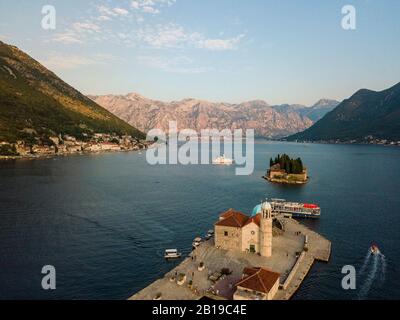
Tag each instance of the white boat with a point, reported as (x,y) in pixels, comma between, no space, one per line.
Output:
(196,242)
(210,234)
(223,161)
(295,209)
(172,254)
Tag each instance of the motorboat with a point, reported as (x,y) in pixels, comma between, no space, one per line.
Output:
(210,234)
(172,254)
(375,250)
(196,242)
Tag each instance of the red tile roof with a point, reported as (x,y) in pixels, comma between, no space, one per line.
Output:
(232,218)
(259,279)
(255,219)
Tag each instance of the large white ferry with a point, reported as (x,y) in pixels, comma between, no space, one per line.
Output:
(295,209)
(223,161)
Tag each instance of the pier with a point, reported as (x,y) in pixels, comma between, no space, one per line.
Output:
(316,248)
(212,272)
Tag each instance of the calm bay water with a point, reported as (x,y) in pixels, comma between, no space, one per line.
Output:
(104,220)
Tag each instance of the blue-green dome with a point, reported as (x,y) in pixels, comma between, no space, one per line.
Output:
(256,210)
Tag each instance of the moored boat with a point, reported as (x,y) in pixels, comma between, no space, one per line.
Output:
(209,235)
(196,242)
(292,209)
(172,254)
(295,209)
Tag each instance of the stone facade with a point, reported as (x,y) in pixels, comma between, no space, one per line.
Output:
(250,238)
(237,231)
(227,238)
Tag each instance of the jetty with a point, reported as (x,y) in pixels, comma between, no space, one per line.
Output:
(212,272)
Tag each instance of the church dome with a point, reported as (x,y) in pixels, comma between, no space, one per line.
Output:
(258,208)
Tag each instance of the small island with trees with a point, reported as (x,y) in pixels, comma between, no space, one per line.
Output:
(286,170)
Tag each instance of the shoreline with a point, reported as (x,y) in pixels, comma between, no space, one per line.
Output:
(285,181)
(340,143)
(56,155)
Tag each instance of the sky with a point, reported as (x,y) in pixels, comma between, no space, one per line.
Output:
(280,51)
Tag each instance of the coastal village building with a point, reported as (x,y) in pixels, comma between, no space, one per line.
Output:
(276,172)
(257,284)
(45,150)
(22,148)
(68,144)
(237,231)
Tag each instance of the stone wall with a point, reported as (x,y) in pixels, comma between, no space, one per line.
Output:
(228,238)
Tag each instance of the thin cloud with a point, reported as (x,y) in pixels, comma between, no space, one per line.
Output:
(180,65)
(175,36)
(121,11)
(104,27)
(86,27)
(66,38)
(220,44)
(151,6)
(57,61)
(104,18)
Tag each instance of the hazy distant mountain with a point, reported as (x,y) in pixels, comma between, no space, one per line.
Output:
(289,108)
(35,103)
(314,113)
(366,113)
(320,109)
(146,114)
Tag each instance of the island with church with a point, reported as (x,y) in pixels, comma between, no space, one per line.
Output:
(285,170)
(262,256)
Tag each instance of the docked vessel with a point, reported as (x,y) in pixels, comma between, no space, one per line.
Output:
(209,235)
(172,254)
(295,209)
(196,242)
(223,161)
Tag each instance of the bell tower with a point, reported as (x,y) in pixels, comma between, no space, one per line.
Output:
(266,230)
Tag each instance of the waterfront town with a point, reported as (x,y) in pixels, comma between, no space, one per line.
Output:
(265,256)
(68,144)
(368,140)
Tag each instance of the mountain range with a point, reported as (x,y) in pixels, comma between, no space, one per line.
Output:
(364,116)
(268,121)
(36,104)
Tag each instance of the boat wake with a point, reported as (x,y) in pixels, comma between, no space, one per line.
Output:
(384,264)
(372,272)
(366,262)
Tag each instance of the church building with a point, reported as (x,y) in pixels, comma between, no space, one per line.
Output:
(237,231)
